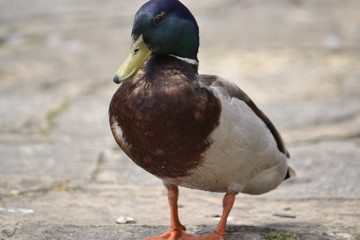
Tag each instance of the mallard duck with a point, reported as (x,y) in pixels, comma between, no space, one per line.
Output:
(191,130)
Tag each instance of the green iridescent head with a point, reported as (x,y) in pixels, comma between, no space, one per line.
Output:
(161,27)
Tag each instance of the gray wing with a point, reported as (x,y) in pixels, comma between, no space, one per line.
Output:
(234,91)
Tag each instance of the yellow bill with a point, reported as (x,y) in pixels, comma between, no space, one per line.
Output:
(138,54)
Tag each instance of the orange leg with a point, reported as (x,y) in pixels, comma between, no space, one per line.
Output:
(177,230)
(219,232)
(173,196)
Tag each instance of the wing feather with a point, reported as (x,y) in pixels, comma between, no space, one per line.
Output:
(234,91)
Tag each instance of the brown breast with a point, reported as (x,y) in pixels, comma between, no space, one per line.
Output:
(166,120)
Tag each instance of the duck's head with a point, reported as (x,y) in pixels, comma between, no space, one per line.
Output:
(161,27)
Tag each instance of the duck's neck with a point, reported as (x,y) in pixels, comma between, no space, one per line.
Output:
(158,63)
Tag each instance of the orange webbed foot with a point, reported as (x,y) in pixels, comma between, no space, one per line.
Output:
(187,236)
(178,230)
(175,235)
(213,236)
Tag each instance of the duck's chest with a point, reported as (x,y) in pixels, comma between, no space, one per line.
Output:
(165,126)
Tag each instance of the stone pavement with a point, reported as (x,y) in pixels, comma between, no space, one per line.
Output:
(62,176)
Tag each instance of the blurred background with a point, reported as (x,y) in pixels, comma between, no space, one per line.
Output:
(299,60)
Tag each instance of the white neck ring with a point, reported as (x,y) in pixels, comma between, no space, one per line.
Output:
(187,60)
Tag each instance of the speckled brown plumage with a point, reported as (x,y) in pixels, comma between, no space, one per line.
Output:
(165,116)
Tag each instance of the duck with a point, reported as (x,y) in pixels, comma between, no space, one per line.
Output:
(188,129)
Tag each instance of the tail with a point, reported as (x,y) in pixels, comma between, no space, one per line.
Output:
(290,173)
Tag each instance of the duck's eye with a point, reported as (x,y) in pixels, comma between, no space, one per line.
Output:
(160,18)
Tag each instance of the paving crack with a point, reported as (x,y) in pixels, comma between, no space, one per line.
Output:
(314,140)
(60,186)
(102,159)
(8,232)
(50,117)
(100,164)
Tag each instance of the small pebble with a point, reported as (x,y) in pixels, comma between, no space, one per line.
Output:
(332,42)
(341,235)
(284,215)
(125,220)
(218,217)
(17,210)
